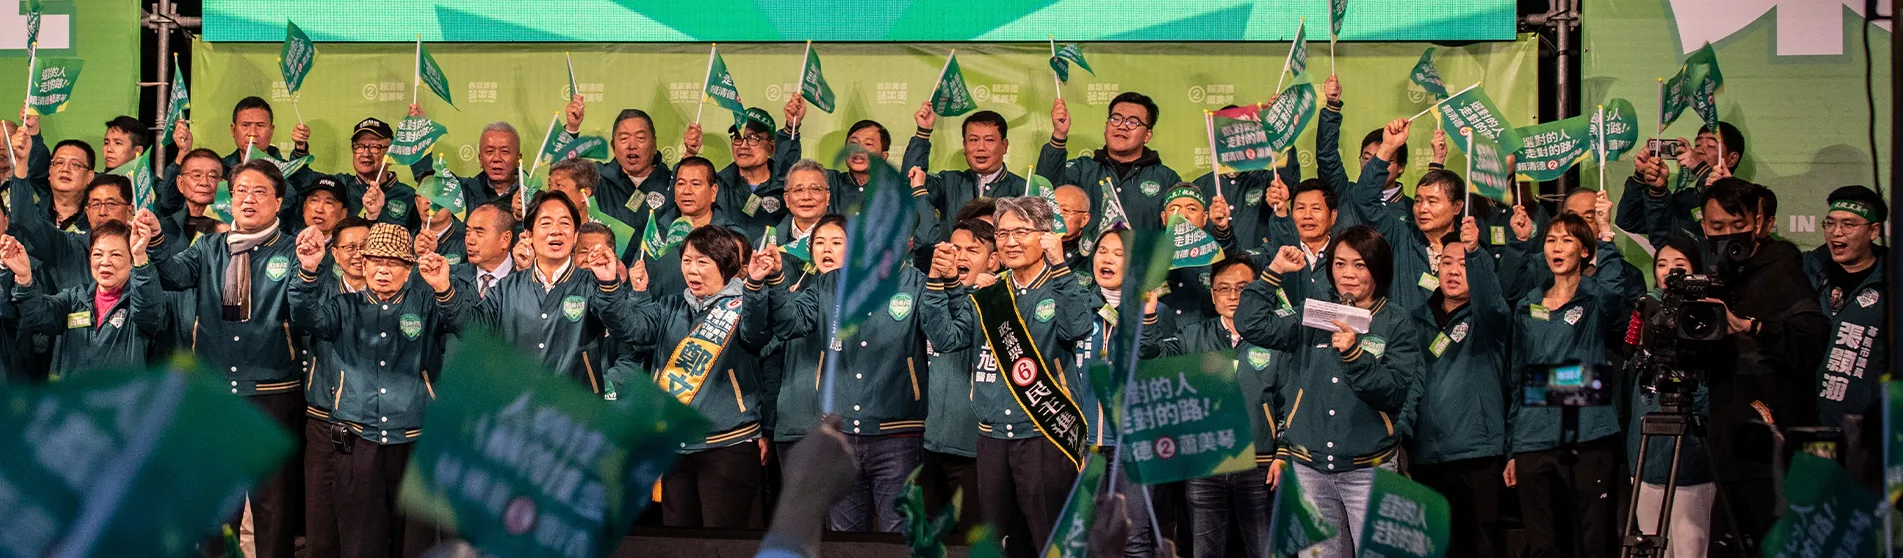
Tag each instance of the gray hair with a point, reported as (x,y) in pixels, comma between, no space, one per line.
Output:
(808,165)
(504,127)
(1035,209)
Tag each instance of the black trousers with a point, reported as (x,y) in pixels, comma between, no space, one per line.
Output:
(350,496)
(717,488)
(277,503)
(1473,488)
(941,475)
(1022,486)
(1566,501)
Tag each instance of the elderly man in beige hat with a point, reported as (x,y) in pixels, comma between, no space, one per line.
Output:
(368,389)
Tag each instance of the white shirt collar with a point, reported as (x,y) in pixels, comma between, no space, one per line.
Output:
(507,267)
(1311,255)
(986,180)
(1390,193)
(548,283)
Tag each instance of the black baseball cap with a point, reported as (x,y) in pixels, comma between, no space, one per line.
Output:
(326,184)
(371,126)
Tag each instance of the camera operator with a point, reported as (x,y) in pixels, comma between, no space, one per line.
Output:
(1848,274)
(1692,498)
(1774,336)
(1652,209)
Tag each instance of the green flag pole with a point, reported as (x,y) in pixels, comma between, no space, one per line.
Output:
(1055,81)
(712,50)
(1438,103)
(248,143)
(1290,58)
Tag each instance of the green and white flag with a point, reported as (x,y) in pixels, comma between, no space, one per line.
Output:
(1548,150)
(128,462)
(1297,63)
(923,532)
(444,190)
(522,462)
(1337,11)
(287,167)
(1187,419)
(1035,185)
(1404,519)
(573,88)
(1241,141)
(1285,118)
(624,233)
(720,87)
(877,245)
(801,248)
(1113,218)
(813,86)
(414,137)
(431,74)
(1829,514)
(1487,170)
(951,97)
(1294,522)
(139,171)
(294,59)
(1621,131)
(220,207)
(1675,95)
(181,100)
(1472,111)
(33,9)
(1427,77)
(1070,538)
(1704,92)
(52,87)
(1194,246)
(1064,57)
(655,242)
(593,148)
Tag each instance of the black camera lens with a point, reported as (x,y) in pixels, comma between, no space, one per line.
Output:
(1701,321)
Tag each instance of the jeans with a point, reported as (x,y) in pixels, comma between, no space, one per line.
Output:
(1343,501)
(1213,499)
(1138,502)
(1022,486)
(881,463)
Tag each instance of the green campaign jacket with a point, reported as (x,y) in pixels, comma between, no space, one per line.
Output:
(398,201)
(1139,188)
(89,338)
(477,190)
(771,207)
(1255,372)
(1065,319)
(376,358)
(879,386)
(1578,331)
(729,397)
(1848,376)
(949,190)
(1328,164)
(64,254)
(1341,411)
(1463,408)
(951,420)
(262,356)
(558,327)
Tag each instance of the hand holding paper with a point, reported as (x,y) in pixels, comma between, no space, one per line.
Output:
(1328,316)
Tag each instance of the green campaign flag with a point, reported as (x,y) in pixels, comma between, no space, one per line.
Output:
(444,190)
(1829,514)
(287,167)
(1187,419)
(923,532)
(593,148)
(139,171)
(801,248)
(1675,95)
(1487,170)
(414,137)
(220,207)
(655,242)
(1621,129)
(573,88)
(1194,246)
(1035,185)
(720,87)
(1472,111)
(813,86)
(522,462)
(624,233)
(1242,144)
(951,97)
(52,87)
(1427,77)
(1070,538)
(1704,91)
(295,58)
(1113,218)
(1404,519)
(1291,112)
(1294,522)
(1297,63)
(1070,54)
(878,230)
(128,462)
(1548,150)
(33,9)
(181,100)
(432,74)
(1337,10)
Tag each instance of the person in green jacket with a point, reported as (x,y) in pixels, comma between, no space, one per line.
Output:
(1352,395)
(786,413)
(242,279)
(951,425)
(441,233)
(1188,295)
(1648,208)
(1393,201)
(499,153)
(705,346)
(697,195)
(985,176)
(380,344)
(252,129)
(1073,207)
(1023,477)
(1247,193)
(1126,163)
(1850,280)
(1565,475)
(1460,438)
(635,180)
(1695,491)
(105,325)
(371,188)
(751,188)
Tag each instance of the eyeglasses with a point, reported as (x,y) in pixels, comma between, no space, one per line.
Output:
(806,190)
(1227,290)
(1019,235)
(202,176)
(1075,212)
(259,193)
(369,147)
(1130,122)
(107,204)
(71,164)
(1848,225)
(751,140)
(350,248)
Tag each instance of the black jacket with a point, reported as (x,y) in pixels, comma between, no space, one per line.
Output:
(1774,365)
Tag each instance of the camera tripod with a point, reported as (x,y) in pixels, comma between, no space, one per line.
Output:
(1675,419)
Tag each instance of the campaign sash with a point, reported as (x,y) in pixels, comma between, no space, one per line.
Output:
(1029,376)
(694,357)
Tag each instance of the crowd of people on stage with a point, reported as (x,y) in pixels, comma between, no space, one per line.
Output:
(341,292)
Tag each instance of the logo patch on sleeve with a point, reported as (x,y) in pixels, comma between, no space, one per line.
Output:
(1374,345)
(277,268)
(1258,358)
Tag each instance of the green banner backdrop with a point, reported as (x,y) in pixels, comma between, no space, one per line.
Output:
(1794,87)
(104,33)
(524,85)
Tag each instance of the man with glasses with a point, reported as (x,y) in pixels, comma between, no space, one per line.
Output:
(376,198)
(752,188)
(60,244)
(1024,476)
(1848,274)
(1125,163)
(196,184)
